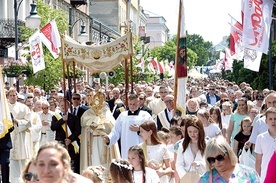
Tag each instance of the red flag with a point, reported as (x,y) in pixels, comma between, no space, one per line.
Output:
(235,36)
(160,67)
(51,38)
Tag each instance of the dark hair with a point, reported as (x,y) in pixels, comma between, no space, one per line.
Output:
(195,122)
(150,125)
(176,130)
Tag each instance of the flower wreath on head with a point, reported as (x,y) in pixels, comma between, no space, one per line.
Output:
(129,167)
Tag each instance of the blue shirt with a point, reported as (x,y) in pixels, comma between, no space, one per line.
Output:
(241,174)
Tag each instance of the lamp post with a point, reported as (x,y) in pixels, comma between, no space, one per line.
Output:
(82,36)
(33,21)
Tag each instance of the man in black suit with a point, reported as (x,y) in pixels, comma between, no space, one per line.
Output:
(71,138)
(142,99)
(77,108)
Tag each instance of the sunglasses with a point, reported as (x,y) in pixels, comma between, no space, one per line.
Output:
(29,175)
(76,98)
(141,98)
(219,157)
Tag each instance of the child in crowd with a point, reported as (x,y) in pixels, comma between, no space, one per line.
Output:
(175,136)
(141,173)
(216,116)
(242,136)
(94,173)
(211,129)
(121,171)
(226,112)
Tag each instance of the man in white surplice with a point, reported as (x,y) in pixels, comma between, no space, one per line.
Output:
(22,144)
(127,126)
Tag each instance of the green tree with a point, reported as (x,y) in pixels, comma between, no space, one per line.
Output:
(51,75)
(197,44)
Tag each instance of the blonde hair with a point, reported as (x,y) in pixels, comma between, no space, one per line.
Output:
(216,144)
(94,173)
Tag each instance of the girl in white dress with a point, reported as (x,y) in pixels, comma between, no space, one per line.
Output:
(215,114)
(190,154)
(156,153)
(211,129)
(141,173)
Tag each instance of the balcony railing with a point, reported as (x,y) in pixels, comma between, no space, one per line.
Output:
(7,32)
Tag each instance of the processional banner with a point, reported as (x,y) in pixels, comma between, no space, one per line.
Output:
(98,58)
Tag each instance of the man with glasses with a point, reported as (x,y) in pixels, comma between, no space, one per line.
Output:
(165,116)
(149,91)
(157,105)
(211,97)
(77,108)
(142,100)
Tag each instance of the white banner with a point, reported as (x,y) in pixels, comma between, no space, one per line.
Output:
(36,52)
(252,59)
(256,24)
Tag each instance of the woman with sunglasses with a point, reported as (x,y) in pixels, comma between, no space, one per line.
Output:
(222,164)
(190,155)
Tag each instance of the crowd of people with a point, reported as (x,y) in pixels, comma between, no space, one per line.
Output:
(97,134)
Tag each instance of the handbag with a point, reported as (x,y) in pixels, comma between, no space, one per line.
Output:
(247,158)
(190,177)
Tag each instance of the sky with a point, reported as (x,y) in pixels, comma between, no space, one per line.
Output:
(208,18)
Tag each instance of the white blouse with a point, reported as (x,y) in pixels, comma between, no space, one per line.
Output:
(185,160)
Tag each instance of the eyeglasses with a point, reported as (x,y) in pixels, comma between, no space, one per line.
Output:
(260,99)
(29,175)
(211,88)
(44,108)
(163,92)
(219,157)
(53,91)
(76,98)
(168,101)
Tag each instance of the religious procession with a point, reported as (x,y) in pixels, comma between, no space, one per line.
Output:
(179,129)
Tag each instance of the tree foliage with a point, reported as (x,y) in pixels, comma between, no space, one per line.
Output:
(52,74)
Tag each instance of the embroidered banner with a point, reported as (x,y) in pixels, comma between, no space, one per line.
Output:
(101,57)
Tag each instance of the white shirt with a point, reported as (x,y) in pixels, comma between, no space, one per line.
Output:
(151,176)
(265,145)
(259,127)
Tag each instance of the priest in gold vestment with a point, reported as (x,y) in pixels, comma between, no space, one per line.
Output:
(95,123)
